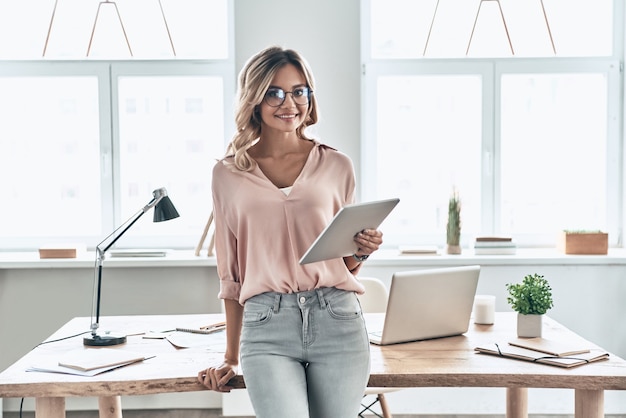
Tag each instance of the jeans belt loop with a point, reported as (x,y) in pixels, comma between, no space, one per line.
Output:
(276,302)
(320,296)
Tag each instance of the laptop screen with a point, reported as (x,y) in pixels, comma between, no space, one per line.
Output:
(425,304)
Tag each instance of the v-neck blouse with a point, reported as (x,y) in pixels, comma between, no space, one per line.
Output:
(261,232)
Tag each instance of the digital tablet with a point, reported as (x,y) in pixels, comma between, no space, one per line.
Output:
(337,239)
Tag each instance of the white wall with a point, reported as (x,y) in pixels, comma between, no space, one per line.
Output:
(327,34)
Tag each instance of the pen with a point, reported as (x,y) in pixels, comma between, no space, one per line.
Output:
(202,330)
(216,325)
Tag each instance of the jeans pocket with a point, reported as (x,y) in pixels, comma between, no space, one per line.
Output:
(344,305)
(256,314)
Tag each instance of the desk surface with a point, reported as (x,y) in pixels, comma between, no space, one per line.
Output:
(447,362)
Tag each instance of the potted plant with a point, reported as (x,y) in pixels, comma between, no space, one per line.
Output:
(531,299)
(583,241)
(453,228)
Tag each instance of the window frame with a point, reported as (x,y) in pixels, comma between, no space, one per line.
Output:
(610,68)
(491,71)
(216,68)
(108,73)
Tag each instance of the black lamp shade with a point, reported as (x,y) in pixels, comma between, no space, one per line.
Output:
(164,210)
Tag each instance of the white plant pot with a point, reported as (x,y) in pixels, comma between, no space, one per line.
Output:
(529,326)
(453,249)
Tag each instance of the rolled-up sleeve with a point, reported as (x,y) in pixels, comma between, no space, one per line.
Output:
(225,244)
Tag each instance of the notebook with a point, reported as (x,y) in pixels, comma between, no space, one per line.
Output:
(426,304)
(337,239)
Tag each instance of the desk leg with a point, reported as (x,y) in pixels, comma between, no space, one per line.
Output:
(516,403)
(110,406)
(589,403)
(50,407)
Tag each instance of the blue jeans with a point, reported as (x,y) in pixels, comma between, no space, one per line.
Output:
(305,355)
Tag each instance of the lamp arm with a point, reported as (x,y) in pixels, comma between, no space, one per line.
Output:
(121,230)
(101,249)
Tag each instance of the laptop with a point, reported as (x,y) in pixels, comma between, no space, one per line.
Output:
(337,239)
(427,304)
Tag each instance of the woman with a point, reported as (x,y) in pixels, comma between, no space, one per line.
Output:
(304,346)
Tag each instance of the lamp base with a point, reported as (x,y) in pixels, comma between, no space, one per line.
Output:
(104,340)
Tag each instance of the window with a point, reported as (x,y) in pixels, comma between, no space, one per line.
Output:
(553,152)
(473,96)
(49,168)
(413,127)
(84,142)
(407,29)
(146,29)
(171,130)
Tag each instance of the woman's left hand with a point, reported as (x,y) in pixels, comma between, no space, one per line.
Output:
(368,241)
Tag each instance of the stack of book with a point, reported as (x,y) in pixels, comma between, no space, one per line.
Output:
(494,245)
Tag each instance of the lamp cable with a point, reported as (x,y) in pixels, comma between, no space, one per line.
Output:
(48,342)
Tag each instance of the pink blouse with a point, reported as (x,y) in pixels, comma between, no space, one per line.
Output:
(261,233)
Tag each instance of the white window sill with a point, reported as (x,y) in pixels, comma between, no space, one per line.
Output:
(31,260)
(523,256)
(389,257)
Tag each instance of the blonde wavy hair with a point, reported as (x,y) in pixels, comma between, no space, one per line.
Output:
(254,80)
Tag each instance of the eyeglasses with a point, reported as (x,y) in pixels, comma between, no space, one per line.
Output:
(275,97)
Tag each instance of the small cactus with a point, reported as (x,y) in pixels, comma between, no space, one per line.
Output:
(453,228)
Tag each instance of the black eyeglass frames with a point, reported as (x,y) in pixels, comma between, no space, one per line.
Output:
(275,96)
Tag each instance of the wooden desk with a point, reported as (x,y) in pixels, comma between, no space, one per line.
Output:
(449,362)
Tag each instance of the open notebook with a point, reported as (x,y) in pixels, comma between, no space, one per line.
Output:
(425,304)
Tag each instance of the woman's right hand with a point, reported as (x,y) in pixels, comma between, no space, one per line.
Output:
(217,378)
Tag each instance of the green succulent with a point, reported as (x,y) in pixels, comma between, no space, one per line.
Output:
(531,297)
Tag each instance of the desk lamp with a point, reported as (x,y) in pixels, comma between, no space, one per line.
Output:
(164,210)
